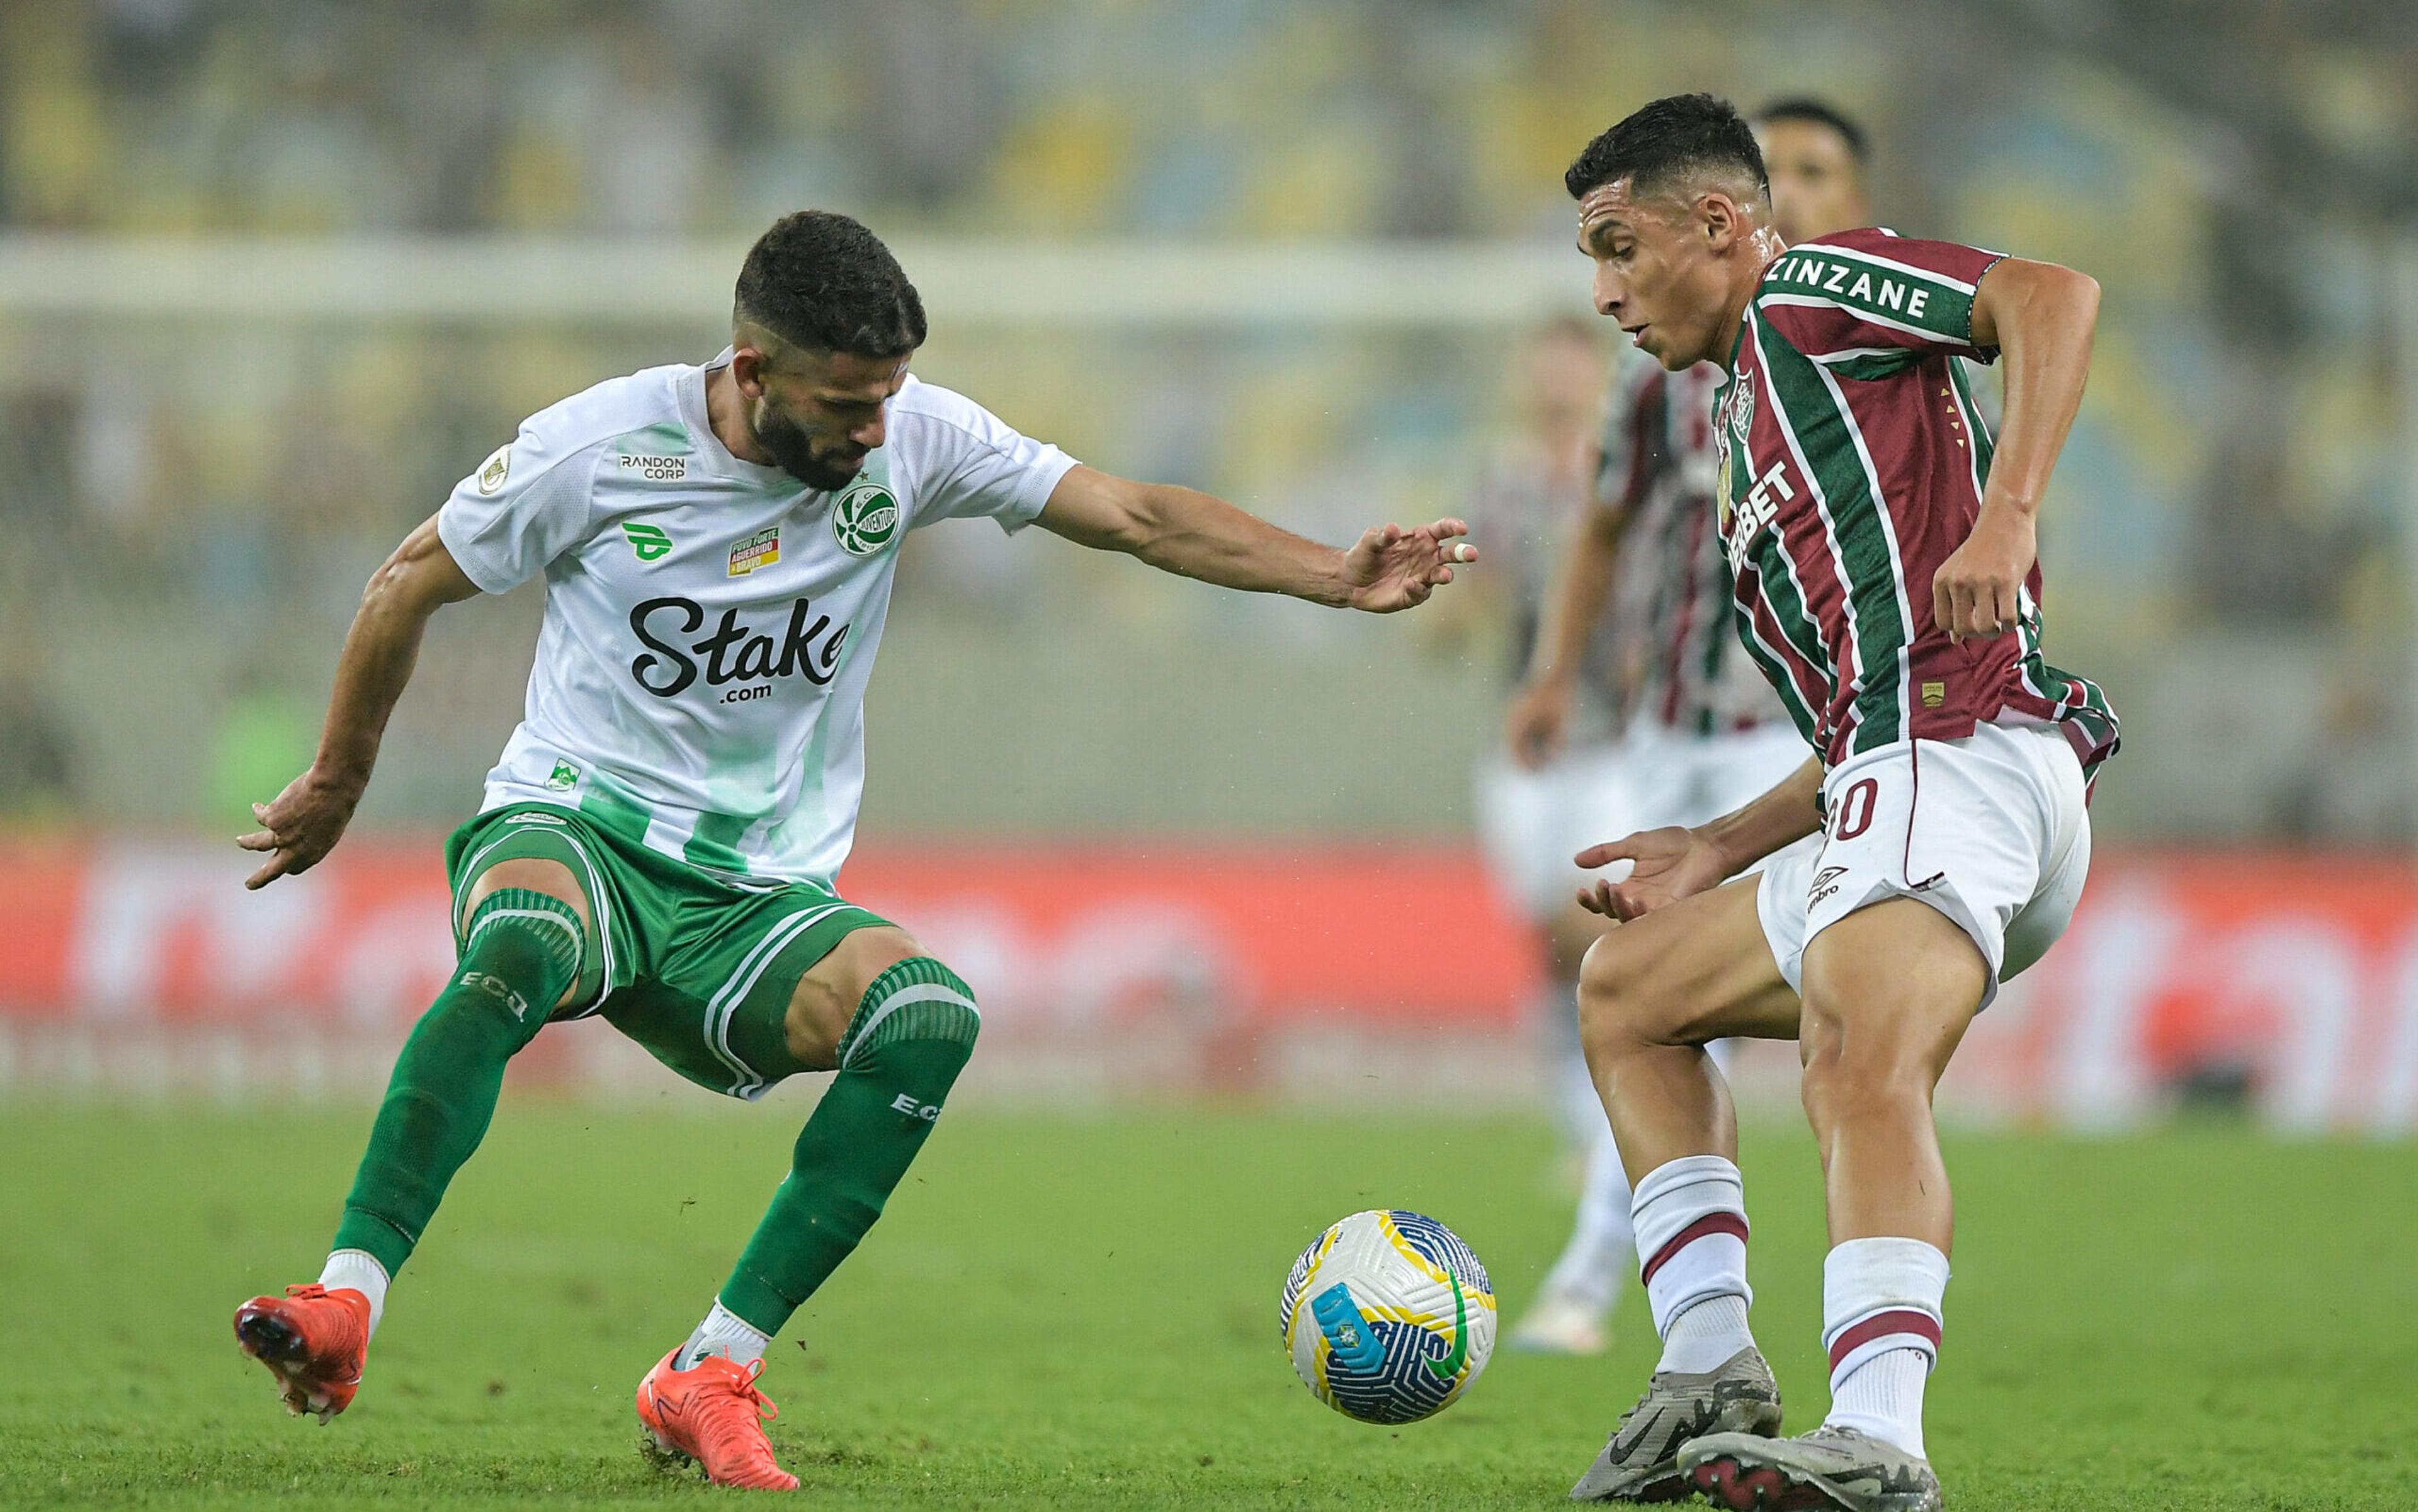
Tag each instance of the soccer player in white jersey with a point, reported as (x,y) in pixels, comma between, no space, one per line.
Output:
(660,842)
(1881,544)
(1704,731)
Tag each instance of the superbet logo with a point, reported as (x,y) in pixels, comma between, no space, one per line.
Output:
(1754,511)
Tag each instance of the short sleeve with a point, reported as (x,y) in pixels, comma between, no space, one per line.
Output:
(526,505)
(968,463)
(1866,303)
(1636,435)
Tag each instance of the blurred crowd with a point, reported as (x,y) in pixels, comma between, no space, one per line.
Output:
(2235,173)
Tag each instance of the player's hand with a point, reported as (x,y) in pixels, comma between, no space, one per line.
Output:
(1390,568)
(1537,724)
(300,825)
(1670,864)
(1978,592)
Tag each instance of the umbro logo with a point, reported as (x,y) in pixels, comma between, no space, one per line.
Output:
(1826,882)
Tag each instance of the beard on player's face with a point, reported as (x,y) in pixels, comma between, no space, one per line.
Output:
(824,464)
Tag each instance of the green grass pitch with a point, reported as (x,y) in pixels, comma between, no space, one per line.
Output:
(1074,1312)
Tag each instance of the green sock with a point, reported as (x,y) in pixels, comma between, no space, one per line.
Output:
(521,952)
(911,1035)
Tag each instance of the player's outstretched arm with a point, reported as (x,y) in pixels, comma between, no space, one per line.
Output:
(1192,534)
(2041,318)
(1672,864)
(302,823)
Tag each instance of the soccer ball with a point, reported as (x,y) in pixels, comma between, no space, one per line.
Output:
(1388,1316)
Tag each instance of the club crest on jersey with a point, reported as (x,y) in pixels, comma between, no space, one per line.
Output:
(762,549)
(1742,405)
(496,469)
(865,518)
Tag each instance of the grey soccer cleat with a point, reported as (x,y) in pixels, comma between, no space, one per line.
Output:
(1641,1463)
(1830,1467)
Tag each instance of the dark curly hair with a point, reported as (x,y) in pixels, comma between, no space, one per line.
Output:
(1664,139)
(820,280)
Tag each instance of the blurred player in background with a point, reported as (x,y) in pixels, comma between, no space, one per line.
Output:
(1530,496)
(1704,733)
(661,840)
(1884,554)
(1817,158)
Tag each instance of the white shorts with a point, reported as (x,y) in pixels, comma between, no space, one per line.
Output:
(1533,822)
(1992,830)
(1695,779)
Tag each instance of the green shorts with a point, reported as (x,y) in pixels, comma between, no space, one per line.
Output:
(697,965)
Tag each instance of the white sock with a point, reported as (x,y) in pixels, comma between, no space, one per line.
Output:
(1690,1216)
(724,1333)
(1603,1246)
(1704,1337)
(359,1270)
(1880,1323)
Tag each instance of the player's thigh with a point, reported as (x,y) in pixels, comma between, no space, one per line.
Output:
(1888,992)
(532,873)
(1697,970)
(742,986)
(828,993)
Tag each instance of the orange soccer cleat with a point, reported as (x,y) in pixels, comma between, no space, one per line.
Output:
(713,1414)
(313,1340)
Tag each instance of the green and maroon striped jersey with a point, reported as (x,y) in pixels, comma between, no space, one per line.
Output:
(1656,470)
(1852,460)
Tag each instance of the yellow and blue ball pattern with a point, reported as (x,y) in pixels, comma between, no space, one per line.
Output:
(1388,1317)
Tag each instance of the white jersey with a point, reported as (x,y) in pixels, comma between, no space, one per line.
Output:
(710,623)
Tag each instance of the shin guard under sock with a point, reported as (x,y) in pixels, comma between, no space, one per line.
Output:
(912,1033)
(519,953)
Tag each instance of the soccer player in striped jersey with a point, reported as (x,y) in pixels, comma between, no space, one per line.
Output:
(1530,493)
(661,840)
(1704,732)
(1883,550)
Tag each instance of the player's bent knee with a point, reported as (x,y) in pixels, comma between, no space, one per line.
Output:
(520,951)
(1616,996)
(831,992)
(917,1011)
(1637,983)
(550,880)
